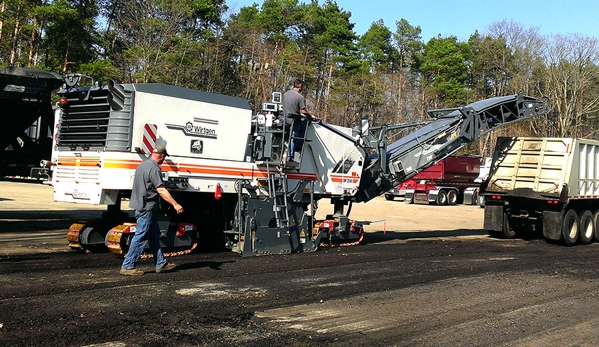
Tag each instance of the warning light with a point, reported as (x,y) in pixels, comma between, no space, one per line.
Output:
(63,102)
(218,192)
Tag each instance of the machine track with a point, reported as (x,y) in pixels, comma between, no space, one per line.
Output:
(179,239)
(74,237)
(351,235)
(87,236)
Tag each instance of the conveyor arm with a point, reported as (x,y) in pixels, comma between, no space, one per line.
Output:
(450,130)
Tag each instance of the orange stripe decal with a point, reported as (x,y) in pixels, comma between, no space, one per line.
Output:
(241,172)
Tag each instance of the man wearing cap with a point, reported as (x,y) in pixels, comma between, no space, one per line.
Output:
(147,188)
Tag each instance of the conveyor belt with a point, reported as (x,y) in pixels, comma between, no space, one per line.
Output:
(450,130)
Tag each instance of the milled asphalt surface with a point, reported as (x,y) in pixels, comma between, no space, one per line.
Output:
(427,276)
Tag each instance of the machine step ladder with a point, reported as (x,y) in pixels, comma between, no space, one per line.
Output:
(276,183)
(277,189)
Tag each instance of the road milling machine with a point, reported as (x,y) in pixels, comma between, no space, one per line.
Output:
(226,165)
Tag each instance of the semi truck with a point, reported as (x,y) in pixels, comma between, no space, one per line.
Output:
(451,181)
(27,121)
(226,165)
(483,175)
(543,184)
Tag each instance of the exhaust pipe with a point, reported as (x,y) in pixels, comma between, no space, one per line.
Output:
(114,102)
(116,98)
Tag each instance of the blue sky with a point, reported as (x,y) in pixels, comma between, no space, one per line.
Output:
(462,17)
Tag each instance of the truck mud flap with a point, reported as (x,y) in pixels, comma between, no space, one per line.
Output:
(493,218)
(552,225)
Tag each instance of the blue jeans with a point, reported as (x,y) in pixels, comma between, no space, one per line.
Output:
(147,229)
(299,130)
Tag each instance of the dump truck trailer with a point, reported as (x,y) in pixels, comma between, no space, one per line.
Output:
(543,184)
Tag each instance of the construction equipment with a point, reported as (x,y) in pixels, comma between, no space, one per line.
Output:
(226,166)
(548,184)
(27,121)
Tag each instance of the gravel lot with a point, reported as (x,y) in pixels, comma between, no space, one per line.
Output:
(426,276)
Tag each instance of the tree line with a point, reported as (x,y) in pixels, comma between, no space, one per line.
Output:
(387,75)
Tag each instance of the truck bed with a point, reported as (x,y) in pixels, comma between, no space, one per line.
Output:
(542,166)
(456,168)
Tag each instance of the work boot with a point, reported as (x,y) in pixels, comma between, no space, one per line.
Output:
(131,272)
(166,267)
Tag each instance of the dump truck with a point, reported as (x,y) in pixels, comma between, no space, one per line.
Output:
(448,182)
(543,184)
(27,121)
(226,165)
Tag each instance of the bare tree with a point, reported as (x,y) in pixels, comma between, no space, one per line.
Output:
(512,55)
(571,82)
(523,45)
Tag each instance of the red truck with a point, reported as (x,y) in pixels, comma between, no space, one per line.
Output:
(453,180)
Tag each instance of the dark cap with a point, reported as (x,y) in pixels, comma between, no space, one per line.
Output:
(160,149)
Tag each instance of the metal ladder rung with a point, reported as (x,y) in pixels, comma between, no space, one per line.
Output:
(278,190)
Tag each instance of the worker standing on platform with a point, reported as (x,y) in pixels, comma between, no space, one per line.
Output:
(294,106)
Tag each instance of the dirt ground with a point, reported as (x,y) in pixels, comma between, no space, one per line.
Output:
(31,222)
(426,276)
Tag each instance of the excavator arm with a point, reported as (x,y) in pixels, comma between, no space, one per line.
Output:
(450,130)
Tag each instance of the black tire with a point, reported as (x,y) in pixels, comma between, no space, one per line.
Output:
(442,198)
(587,227)
(452,197)
(596,225)
(389,197)
(475,198)
(508,232)
(570,228)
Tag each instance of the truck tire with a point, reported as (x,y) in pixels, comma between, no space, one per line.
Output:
(508,231)
(452,197)
(389,197)
(570,228)
(596,224)
(441,198)
(587,227)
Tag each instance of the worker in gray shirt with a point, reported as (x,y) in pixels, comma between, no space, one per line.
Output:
(294,106)
(147,188)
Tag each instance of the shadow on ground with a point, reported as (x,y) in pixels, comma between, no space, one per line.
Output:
(380,236)
(13,221)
